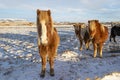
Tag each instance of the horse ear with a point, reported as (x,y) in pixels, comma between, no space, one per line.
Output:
(38,11)
(49,12)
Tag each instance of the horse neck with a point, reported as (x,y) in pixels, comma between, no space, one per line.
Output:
(51,25)
(83,29)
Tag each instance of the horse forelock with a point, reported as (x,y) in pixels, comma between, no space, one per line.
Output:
(92,25)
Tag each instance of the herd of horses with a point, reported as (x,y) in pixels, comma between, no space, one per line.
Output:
(94,32)
(48,38)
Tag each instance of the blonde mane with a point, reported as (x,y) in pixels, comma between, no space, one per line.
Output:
(95,23)
(102,27)
(92,25)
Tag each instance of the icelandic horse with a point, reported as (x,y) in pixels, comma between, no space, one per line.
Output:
(48,40)
(115,31)
(98,34)
(81,31)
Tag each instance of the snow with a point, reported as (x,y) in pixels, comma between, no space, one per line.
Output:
(19,58)
(11,19)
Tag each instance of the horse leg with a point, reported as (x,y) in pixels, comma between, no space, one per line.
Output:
(42,74)
(43,54)
(114,39)
(95,50)
(81,43)
(110,38)
(87,44)
(100,48)
(51,62)
(51,55)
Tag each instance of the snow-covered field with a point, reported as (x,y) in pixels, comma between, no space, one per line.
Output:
(19,58)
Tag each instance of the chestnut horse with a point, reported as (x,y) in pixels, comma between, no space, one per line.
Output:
(98,34)
(81,31)
(48,40)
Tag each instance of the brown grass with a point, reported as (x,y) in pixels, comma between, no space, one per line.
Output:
(16,23)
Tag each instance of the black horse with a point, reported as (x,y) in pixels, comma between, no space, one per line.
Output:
(115,31)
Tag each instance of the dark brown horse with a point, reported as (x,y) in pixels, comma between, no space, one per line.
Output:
(98,34)
(48,40)
(81,31)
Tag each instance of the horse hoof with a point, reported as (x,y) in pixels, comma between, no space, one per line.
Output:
(80,49)
(87,49)
(94,56)
(52,72)
(100,56)
(42,75)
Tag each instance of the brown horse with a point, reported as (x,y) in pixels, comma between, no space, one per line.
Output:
(48,40)
(81,31)
(98,34)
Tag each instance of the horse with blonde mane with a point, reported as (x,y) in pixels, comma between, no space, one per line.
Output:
(81,31)
(98,35)
(48,40)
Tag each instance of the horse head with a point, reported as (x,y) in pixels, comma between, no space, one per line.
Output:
(92,27)
(44,25)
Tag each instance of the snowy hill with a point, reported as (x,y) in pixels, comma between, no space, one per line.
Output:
(15,22)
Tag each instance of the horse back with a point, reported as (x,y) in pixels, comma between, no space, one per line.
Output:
(100,35)
(115,31)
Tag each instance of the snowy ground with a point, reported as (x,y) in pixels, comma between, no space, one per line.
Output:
(19,58)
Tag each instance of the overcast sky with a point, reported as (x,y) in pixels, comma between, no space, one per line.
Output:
(62,10)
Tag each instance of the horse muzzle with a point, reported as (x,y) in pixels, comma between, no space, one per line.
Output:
(44,41)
